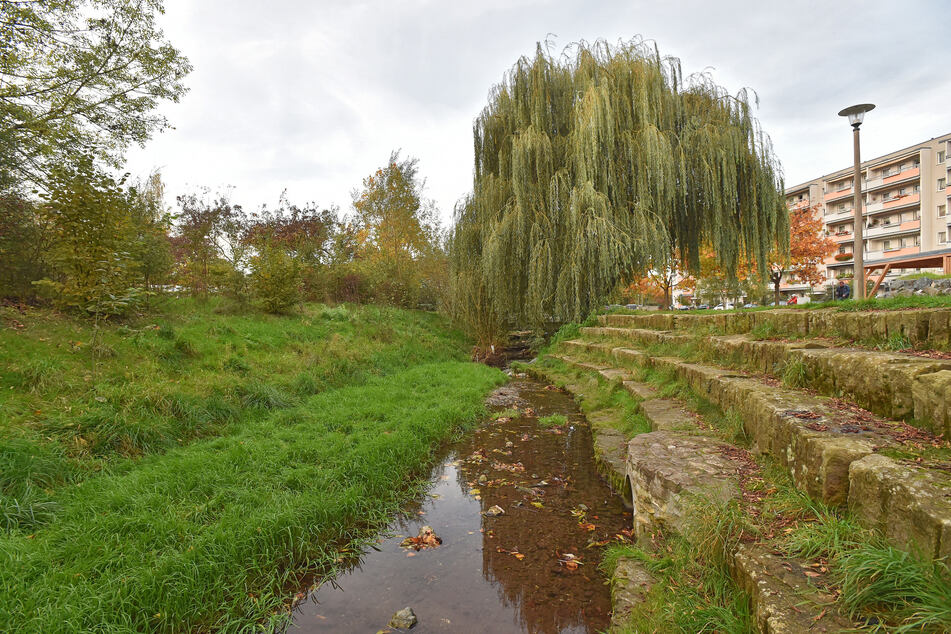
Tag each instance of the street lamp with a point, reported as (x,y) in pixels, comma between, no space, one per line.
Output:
(855,115)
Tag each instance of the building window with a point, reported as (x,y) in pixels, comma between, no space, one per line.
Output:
(887,245)
(942,211)
(941,156)
(941,183)
(942,237)
(842,249)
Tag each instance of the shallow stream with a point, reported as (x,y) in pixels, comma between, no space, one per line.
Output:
(532,569)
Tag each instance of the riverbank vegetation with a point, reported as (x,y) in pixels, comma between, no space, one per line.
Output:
(229,452)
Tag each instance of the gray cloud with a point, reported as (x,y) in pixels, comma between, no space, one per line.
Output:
(312,96)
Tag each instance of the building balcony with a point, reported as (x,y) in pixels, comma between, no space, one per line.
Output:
(842,193)
(845,236)
(901,201)
(798,204)
(838,216)
(902,175)
(873,207)
(872,256)
(892,228)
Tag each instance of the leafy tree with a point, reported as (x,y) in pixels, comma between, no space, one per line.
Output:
(150,248)
(305,233)
(590,167)
(398,229)
(90,224)
(80,76)
(660,281)
(212,247)
(809,246)
(24,241)
(275,278)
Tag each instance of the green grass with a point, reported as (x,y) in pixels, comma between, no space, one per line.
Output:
(874,303)
(194,371)
(693,589)
(555,420)
(215,531)
(924,275)
(904,591)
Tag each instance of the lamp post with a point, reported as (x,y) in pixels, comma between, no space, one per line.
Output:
(855,115)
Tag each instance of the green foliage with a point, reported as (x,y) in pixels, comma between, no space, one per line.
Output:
(23,245)
(694,591)
(896,341)
(80,76)
(275,279)
(795,374)
(592,167)
(554,420)
(90,221)
(905,591)
(397,251)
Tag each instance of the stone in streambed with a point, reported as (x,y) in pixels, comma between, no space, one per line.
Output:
(405,619)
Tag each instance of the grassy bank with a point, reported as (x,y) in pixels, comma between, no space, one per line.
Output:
(208,530)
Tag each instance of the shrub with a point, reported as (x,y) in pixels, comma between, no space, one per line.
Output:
(275,279)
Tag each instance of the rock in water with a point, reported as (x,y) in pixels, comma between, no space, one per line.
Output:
(404,619)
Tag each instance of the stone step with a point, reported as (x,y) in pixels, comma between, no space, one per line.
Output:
(667,414)
(783,599)
(664,473)
(893,385)
(923,328)
(908,504)
(630,584)
(668,471)
(639,390)
(828,450)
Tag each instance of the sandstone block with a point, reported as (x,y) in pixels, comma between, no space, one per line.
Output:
(783,600)
(667,414)
(629,587)
(909,505)
(670,471)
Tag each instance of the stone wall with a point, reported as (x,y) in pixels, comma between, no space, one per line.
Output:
(928,328)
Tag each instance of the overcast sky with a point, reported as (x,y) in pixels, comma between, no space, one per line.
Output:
(312,95)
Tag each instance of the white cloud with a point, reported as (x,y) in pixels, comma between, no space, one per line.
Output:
(312,96)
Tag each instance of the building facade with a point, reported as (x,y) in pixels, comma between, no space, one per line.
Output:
(906,196)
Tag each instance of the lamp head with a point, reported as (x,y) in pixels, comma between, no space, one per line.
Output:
(856,113)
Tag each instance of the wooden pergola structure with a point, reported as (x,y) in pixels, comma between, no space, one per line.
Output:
(928,260)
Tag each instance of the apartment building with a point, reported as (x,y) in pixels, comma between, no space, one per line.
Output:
(906,196)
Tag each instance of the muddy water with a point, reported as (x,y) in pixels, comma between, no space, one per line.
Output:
(532,569)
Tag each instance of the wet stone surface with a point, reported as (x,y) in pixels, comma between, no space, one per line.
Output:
(533,568)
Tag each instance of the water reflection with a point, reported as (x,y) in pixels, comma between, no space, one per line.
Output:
(492,574)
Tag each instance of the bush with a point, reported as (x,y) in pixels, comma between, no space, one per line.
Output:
(275,279)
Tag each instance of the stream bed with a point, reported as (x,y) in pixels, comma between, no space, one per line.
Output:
(533,568)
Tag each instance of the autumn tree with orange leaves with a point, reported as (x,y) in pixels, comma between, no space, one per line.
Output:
(808,247)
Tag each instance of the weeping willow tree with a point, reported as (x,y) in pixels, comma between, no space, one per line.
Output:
(596,166)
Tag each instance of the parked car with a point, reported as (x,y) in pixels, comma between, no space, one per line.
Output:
(703,307)
(727,306)
(750,305)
